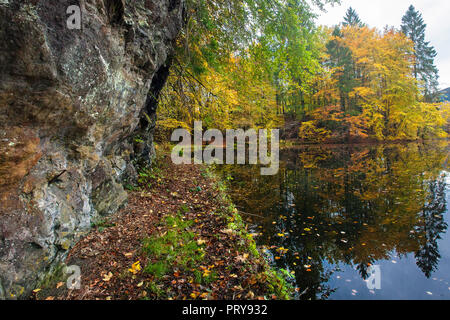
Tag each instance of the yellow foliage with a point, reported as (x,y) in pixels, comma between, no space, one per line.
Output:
(234,97)
(310,133)
(165,127)
(135,267)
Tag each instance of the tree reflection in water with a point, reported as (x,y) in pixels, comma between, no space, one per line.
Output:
(352,205)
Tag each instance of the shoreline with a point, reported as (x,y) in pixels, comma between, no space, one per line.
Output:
(295,143)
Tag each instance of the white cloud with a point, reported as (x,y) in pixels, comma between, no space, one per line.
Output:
(380,13)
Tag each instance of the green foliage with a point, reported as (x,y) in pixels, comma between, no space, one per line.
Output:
(352,18)
(309,132)
(165,127)
(276,283)
(184,208)
(148,176)
(102,224)
(376,89)
(205,278)
(242,63)
(156,290)
(246,64)
(424,69)
(158,269)
(279,284)
(176,247)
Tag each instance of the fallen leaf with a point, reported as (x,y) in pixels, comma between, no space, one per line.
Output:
(135,267)
(227,231)
(107,277)
(242,258)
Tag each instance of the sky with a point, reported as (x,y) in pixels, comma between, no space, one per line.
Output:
(379,13)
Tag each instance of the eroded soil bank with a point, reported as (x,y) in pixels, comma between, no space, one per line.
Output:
(179,237)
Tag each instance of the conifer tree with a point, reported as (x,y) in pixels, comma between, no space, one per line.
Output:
(352,18)
(341,60)
(424,69)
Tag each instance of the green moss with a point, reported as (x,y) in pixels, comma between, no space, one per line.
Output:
(157,269)
(276,280)
(49,281)
(204,278)
(101,224)
(156,290)
(175,248)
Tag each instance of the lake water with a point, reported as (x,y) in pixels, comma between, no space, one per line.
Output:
(353,221)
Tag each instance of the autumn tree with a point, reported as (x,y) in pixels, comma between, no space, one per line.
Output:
(343,63)
(240,62)
(249,64)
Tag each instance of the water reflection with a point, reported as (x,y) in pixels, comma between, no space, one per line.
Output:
(332,212)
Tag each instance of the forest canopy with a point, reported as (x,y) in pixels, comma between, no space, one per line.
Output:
(258,64)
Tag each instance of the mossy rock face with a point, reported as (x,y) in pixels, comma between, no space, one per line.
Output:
(71,103)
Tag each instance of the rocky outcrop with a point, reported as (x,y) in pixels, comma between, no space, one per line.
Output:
(74,110)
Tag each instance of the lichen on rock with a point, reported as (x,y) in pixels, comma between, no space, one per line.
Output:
(71,104)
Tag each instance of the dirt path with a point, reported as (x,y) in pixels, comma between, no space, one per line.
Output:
(178,238)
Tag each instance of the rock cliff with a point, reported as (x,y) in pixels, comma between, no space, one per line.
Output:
(76,113)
